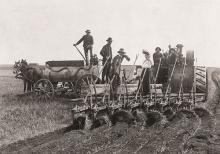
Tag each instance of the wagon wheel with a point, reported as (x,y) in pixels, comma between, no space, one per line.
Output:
(44,89)
(86,80)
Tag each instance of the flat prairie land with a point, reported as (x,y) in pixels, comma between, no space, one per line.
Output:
(6,70)
(24,117)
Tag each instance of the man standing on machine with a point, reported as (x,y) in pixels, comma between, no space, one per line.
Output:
(87,45)
(106,53)
(116,67)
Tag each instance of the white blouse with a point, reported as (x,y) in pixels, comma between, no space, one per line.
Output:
(147,63)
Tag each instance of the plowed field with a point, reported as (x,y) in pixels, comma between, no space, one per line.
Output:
(195,131)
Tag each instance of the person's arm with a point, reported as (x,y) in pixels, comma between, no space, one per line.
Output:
(154,57)
(80,41)
(92,40)
(102,51)
(110,54)
(127,58)
(151,63)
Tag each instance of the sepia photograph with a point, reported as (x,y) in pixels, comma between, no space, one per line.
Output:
(110,76)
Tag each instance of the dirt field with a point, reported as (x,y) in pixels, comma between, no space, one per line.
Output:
(195,131)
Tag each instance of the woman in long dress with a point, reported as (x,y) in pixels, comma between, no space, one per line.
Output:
(146,73)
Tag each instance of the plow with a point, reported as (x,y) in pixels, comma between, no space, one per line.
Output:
(174,88)
(130,109)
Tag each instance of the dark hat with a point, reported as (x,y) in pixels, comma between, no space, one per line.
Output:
(158,48)
(179,45)
(146,52)
(109,39)
(88,31)
(121,51)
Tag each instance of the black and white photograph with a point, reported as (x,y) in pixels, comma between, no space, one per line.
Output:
(110,76)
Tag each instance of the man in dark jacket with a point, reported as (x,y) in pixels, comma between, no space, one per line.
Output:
(116,67)
(157,55)
(87,44)
(117,60)
(180,54)
(106,53)
(172,56)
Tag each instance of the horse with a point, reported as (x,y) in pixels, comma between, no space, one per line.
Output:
(27,73)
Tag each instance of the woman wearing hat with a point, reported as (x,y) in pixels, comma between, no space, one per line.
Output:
(146,73)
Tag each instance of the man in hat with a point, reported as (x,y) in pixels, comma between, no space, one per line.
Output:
(157,55)
(106,53)
(180,54)
(87,44)
(172,56)
(116,66)
(146,73)
(179,48)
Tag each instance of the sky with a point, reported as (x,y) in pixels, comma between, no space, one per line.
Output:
(44,30)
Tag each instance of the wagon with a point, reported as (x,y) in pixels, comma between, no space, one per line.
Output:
(59,77)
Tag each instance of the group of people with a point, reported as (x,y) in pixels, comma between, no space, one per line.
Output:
(169,58)
(112,66)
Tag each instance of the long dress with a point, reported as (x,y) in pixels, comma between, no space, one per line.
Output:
(145,76)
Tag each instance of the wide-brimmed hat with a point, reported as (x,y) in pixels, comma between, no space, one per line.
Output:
(121,51)
(88,31)
(179,45)
(146,52)
(109,39)
(158,48)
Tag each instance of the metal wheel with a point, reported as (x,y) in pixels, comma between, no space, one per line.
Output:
(86,80)
(123,116)
(101,119)
(153,117)
(200,79)
(79,123)
(140,117)
(44,89)
(169,114)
